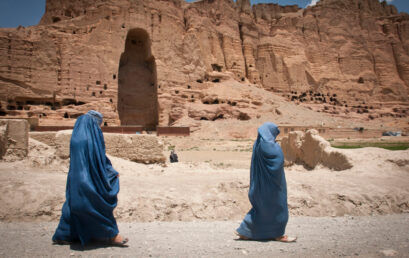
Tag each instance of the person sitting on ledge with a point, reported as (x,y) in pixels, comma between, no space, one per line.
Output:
(92,188)
(268,216)
(173,157)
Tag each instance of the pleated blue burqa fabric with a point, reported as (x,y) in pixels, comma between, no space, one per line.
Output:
(268,216)
(92,186)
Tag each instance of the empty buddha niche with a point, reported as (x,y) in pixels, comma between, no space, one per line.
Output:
(137,92)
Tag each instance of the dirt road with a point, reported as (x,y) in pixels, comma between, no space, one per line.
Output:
(366,236)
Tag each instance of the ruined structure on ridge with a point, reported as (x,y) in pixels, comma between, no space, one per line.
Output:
(147,62)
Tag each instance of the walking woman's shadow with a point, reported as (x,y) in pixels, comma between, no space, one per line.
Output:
(76,246)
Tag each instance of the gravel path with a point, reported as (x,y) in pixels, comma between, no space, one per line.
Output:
(375,236)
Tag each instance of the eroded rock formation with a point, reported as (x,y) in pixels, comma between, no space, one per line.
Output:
(148,62)
(310,149)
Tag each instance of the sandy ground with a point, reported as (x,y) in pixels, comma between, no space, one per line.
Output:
(373,236)
(211,183)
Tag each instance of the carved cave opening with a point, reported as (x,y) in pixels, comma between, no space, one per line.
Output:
(137,81)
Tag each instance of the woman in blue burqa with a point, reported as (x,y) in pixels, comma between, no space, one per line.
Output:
(92,188)
(268,216)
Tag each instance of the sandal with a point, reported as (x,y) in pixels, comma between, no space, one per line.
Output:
(122,243)
(286,239)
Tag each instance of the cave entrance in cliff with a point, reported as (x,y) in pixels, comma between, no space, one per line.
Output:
(137,81)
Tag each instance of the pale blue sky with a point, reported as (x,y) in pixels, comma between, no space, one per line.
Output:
(29,12)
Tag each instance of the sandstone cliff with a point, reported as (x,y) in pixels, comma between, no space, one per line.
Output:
(170,62)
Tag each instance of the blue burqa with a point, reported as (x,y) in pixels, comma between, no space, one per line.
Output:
(268,217)
(92,186)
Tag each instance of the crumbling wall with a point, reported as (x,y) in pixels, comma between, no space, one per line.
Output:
(13,139)
(47,138)
(310,150)
(139,148)
(136,147)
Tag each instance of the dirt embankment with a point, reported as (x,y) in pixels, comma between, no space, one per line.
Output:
(210,183)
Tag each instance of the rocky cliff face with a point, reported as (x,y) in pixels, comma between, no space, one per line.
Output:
(164,61)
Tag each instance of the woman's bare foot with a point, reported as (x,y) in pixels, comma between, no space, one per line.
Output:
(241,237)
(118,240)
(286,239)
